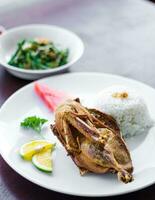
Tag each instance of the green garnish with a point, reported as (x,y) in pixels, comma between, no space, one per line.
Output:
(34,123)
(38,54)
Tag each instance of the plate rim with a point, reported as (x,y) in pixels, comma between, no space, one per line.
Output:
(34,181)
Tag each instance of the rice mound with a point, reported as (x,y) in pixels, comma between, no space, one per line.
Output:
(127,107)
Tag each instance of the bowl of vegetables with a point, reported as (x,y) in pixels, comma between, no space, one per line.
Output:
(36,50)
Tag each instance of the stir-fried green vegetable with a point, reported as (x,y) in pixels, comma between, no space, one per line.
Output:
(38,54)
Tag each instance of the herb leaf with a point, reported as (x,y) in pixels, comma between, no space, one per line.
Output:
(34,123)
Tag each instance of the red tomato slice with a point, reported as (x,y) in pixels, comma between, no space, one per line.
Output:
(50,97)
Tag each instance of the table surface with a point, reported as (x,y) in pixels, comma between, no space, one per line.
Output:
(119,38)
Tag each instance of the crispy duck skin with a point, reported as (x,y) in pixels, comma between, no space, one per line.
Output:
(93,140)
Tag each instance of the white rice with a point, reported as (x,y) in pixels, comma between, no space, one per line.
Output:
(131,113)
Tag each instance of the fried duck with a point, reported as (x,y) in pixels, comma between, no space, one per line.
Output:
(93,140)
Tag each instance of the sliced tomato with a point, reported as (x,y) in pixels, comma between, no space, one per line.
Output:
(50,96)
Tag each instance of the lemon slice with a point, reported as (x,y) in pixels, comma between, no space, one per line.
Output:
(43,161)
(31,148)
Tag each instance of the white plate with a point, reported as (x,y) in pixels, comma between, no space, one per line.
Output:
(66,177)
(60,36)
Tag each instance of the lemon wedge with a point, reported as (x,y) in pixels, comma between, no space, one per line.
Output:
(43,161)
(31,148)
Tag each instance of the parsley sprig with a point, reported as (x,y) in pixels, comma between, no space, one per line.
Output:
(34,123)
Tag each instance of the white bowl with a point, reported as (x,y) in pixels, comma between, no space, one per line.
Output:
(60,36)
